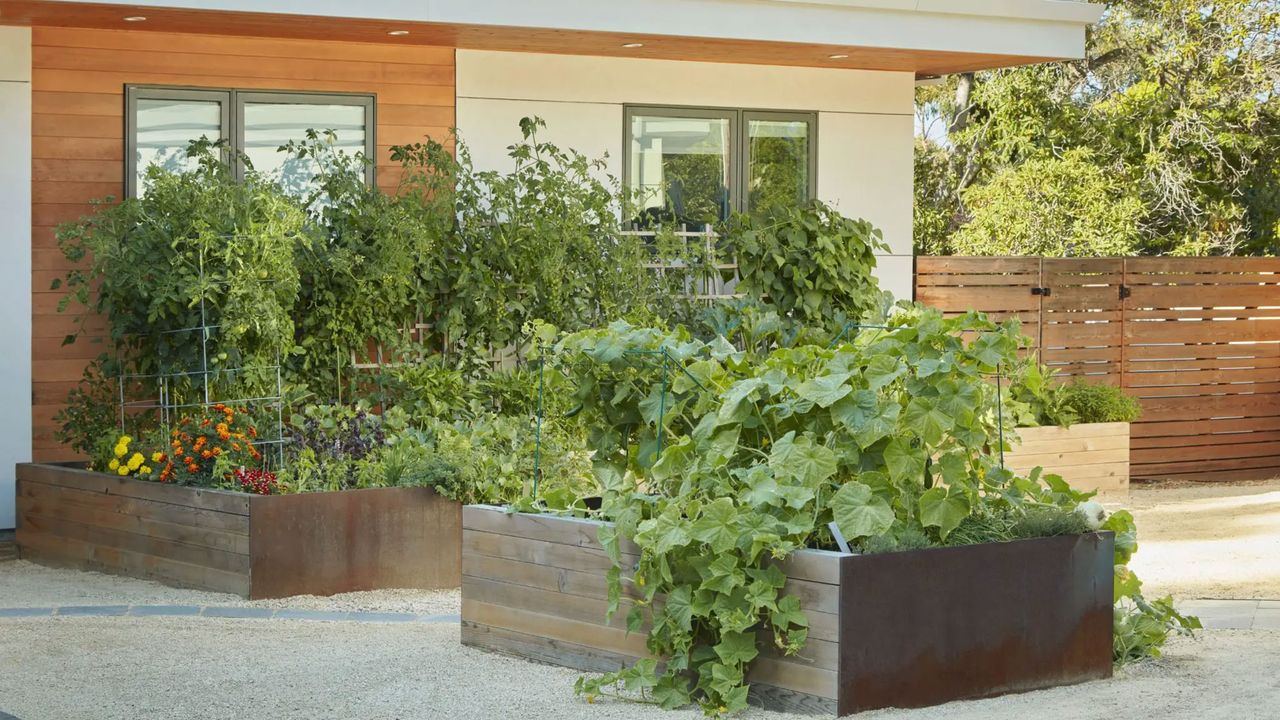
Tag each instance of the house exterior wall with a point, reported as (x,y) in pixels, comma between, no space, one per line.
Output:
(865,121)
(77,147)
(15,271)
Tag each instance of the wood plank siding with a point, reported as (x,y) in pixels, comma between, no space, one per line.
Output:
(78,145)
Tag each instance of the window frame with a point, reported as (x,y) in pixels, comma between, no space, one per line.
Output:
(134,93)
(233,102)
(739,143)
(288,97)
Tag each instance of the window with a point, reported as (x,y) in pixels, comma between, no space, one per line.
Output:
(160,122)
(696,166)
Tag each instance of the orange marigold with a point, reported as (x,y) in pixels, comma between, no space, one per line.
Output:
(206,454)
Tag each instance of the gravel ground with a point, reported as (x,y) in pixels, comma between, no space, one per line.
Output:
(25,584)
(1197,541)
(140,668)
(1208,540)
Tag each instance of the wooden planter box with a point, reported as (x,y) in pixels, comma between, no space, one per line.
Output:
(1091,456)
(251,545)
(899,630)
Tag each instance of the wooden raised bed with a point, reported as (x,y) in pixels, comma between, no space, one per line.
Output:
(898,630)
(253,546)
(1089,456)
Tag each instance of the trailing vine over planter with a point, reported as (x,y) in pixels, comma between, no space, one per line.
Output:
(732,461)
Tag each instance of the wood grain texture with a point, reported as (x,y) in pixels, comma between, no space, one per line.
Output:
(1090,456)
(534,586)
(294,30)
(180,536)
(79,72)
(259,547)
(333,542)
(1195,340)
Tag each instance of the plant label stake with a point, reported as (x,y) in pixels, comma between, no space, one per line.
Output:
(840,541)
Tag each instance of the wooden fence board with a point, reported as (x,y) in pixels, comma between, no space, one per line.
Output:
(1196,340)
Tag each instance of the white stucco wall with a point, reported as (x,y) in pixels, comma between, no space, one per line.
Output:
(865,128)
(15,270)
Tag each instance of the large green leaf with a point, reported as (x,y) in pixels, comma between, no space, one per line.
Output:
(825,390)
(923,416)
(904,462)
(737,648)
(802,460)
(944,509)
(859,513)
(717,526)
(734,406)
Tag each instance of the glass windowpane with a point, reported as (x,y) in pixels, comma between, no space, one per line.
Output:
(681,167)
(267,126)
(777,163)
(166,127)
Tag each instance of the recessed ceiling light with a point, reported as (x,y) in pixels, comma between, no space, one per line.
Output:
(632,45)
(397,33)
(837,56)
(135,18)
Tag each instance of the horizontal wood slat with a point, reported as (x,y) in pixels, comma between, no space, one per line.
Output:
(1089,456)
(1195,340)
(534,586)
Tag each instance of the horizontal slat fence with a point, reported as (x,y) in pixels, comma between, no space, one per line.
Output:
(1196,340)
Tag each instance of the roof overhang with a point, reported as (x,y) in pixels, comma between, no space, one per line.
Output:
(927,37)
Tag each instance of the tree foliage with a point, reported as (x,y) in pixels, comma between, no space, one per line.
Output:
(1176,102)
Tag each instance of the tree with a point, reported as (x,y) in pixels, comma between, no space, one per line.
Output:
(1181,96)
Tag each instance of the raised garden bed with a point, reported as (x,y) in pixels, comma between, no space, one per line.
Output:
(906,629)
(251,545)
(1089,456)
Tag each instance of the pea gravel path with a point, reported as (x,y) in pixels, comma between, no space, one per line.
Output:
(141,668)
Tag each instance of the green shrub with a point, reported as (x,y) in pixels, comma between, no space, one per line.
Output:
(1095,403)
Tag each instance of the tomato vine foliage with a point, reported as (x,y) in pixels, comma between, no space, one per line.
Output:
(722,463)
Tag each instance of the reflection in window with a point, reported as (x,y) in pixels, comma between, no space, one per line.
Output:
(777,163)
(680,167)
(166,127)
(267,126)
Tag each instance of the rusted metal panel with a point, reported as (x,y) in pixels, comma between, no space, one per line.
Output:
(334,542)
(931,626)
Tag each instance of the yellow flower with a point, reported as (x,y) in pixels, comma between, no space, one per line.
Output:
(121,449)
(136,461)
(125,440)
(113,464)
(144,470)
(122,470)
(157,456)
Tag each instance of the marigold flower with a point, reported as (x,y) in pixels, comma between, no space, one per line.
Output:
(144,470)
(206,454)
(253,432)
(122,470)
(193,468)
(120,450)
(235,446)
(189,460)
(205,422)
(157,457)
(217,451)
(113,464)
(136,461)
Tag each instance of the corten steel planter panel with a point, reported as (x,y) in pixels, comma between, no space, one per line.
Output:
(258,547)
(926,627)
(334,542)
(907,629)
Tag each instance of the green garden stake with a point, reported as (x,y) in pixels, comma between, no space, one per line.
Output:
(1000,415)
(537,444)
(662,403)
